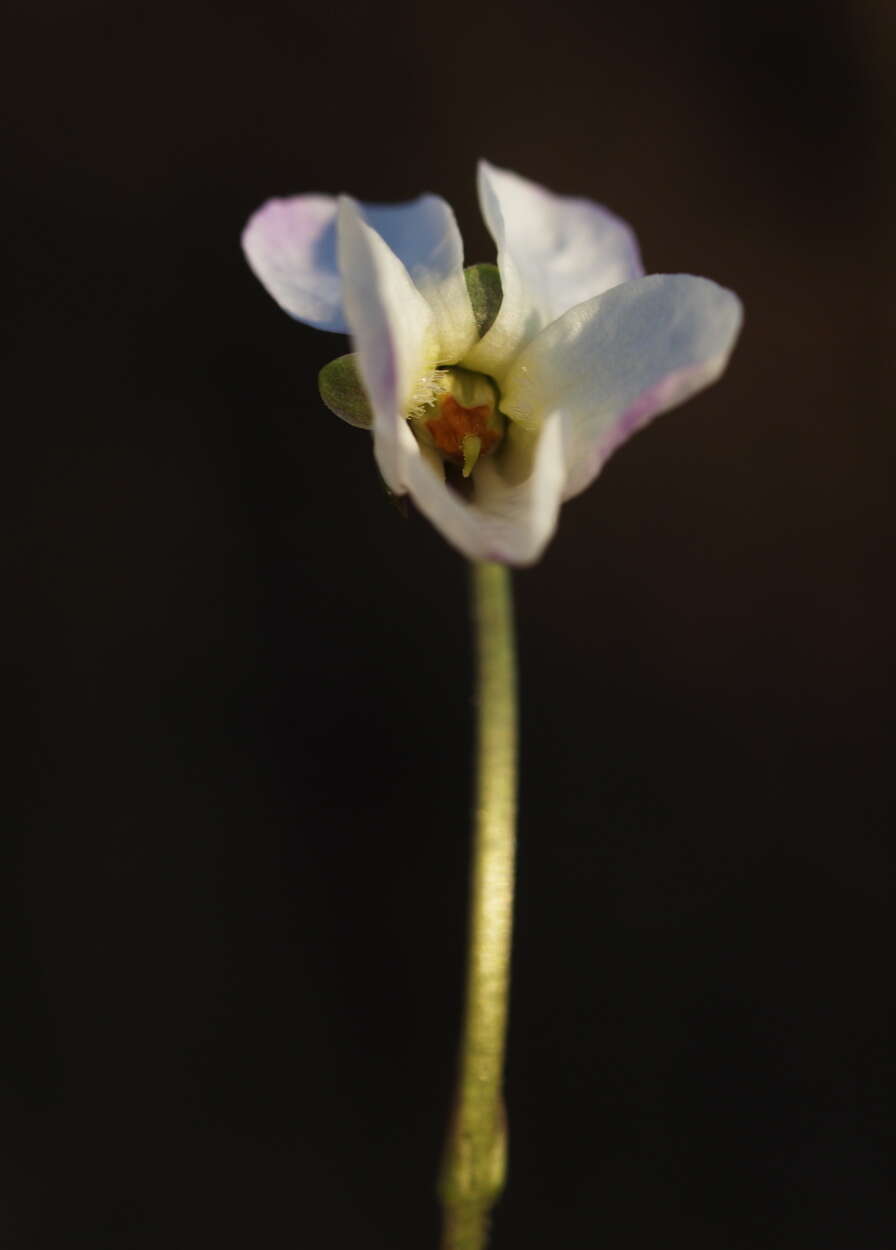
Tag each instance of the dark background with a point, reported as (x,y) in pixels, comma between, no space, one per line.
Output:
(239,681)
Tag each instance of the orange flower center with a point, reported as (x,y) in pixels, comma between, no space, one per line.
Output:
(453,423)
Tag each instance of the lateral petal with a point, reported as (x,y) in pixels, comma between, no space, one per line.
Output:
(606,367)
(393,331)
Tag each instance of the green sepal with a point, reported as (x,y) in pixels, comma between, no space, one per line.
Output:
(484,288)
(343,392)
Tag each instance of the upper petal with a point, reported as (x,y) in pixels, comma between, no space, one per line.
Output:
(291,247)
(607,366)
(425,236)
(393,331)
(513,513)
(553,252)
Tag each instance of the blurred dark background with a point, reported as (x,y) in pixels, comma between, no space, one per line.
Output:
(239,681)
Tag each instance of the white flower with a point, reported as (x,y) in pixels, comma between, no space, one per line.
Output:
(584,349)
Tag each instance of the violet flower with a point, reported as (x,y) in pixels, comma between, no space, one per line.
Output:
(583,350)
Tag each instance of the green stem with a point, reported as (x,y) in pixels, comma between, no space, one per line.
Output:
(475,1151)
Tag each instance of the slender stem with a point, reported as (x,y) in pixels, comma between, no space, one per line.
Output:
(475,1151)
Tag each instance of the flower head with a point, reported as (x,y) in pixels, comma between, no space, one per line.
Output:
(490,416)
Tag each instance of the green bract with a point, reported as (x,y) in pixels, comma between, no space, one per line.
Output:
(484,288)
(340,383)
(343,392)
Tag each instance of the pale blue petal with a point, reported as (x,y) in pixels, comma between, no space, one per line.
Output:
(291,247)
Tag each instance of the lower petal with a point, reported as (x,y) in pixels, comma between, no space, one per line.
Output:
(516,500)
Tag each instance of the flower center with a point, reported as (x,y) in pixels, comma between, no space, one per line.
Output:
(462,422)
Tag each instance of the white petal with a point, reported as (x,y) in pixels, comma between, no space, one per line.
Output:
(393,332)
(609,365)
(425,236)
(291,247)
(514,511)
(553,252)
